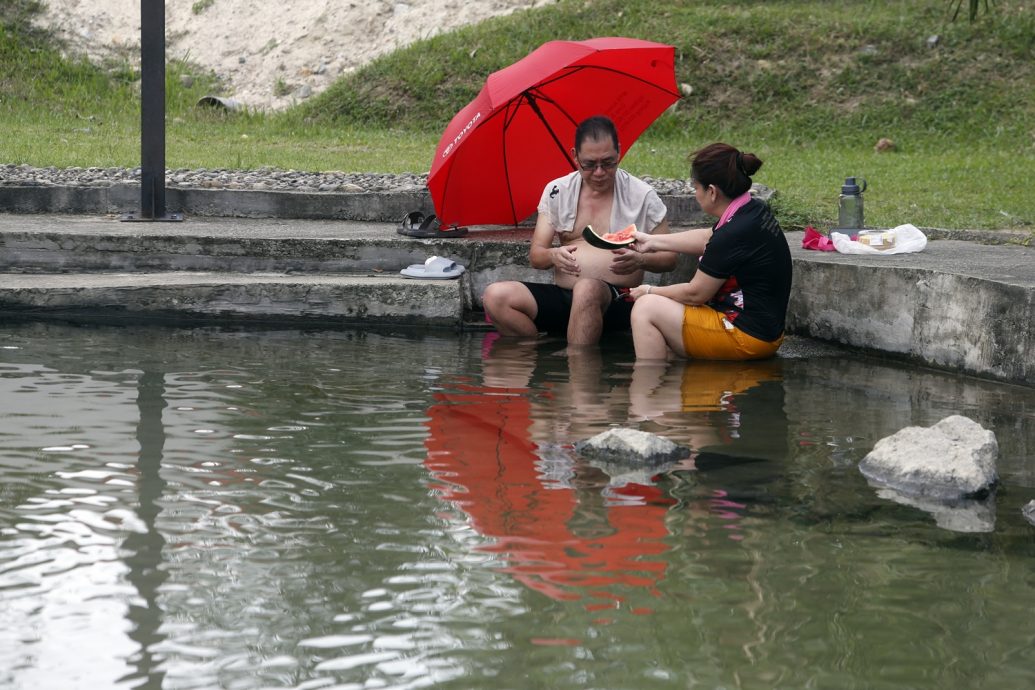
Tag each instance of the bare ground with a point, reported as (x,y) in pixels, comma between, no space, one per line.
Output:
(269,55)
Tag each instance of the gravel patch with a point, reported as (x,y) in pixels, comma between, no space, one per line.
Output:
(262,179)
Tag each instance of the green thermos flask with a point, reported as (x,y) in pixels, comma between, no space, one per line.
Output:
(850,205)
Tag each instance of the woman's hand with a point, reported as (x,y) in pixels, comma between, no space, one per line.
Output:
(692,241)
(641,290)
(644,243)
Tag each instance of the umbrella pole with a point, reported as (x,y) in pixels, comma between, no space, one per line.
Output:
(553,135)
(531,99)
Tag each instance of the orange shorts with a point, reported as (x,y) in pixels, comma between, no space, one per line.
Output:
(708,335)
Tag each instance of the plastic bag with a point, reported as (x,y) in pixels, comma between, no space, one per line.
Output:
(908,238)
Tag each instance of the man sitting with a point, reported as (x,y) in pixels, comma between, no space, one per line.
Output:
(588,296)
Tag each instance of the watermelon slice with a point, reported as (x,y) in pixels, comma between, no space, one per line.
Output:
(625,235)
(612,240)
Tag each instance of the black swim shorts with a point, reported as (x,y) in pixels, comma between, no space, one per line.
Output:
(553,308)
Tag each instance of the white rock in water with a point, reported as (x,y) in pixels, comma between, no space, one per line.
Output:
(631,444)
(1029,511)
(951,460)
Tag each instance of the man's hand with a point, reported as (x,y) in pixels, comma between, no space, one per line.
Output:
(564,260)
(626,262)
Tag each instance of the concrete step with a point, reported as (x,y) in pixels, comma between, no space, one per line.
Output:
(45,244)
(41,245)
(210,296)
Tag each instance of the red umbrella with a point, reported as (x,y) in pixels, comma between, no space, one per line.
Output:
(502,148)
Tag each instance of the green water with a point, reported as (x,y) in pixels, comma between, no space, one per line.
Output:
(290,509)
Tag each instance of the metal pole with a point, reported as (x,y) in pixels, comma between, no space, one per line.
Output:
(152,113)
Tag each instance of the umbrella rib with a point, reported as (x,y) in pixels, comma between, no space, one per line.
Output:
(613,70)
(511,111)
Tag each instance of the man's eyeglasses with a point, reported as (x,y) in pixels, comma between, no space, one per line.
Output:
(603,164)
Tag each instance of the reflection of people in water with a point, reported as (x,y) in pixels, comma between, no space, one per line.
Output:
(707,405)
(549,518)
(566,528)
(730,413)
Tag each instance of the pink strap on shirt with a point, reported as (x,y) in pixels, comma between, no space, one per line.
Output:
(733,208)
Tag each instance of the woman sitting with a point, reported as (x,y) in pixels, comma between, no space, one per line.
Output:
(736,304)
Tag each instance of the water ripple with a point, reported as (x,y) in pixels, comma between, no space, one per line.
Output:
(209,509)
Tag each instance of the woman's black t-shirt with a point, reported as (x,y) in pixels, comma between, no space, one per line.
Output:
(751,254)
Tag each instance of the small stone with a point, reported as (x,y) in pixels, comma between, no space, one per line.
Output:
(686,89)
(631,444)
(1029,512)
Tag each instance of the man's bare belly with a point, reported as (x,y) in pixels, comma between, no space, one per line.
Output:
(595,263)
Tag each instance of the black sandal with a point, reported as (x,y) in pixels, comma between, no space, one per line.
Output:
(411,223)
(416,224)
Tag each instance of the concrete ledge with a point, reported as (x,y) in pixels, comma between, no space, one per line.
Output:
(122,198)
(956,305)
(255,297)
(235,203)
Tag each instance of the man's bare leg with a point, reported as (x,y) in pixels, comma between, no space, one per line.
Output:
(590,298)
(511,307)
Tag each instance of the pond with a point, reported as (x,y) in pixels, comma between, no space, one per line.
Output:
(218,508)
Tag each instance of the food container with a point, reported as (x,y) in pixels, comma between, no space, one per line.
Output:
(878,239)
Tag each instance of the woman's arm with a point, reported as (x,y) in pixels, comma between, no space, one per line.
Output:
(629,260)
(701,288)
(660,260)
(685,242)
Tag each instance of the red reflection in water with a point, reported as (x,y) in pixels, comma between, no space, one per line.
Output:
(481,451)
(565,528)
(556,641)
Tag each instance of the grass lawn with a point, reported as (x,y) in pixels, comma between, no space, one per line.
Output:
(809,86)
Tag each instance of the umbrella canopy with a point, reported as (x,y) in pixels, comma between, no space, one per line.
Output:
(501,149)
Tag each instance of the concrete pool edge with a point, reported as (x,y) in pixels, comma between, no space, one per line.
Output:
(959,305)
